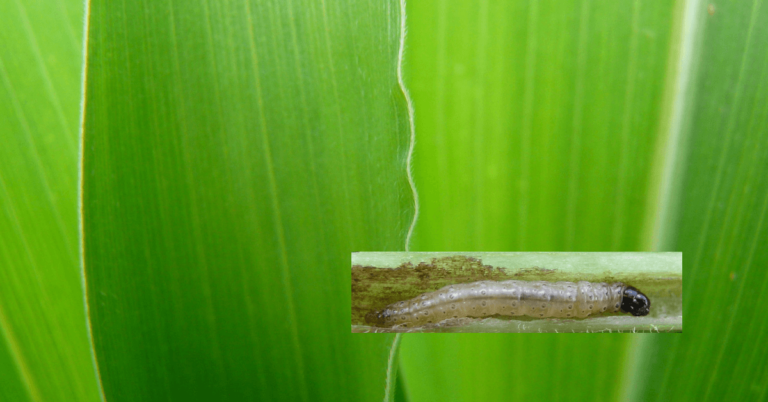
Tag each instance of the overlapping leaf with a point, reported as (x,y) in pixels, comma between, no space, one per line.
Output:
(236,153)
(547,125)
(44,348)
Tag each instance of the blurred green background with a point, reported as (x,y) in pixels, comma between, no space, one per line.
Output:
(236,152)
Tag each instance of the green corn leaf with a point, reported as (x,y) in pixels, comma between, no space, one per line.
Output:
(235,154)
(545,117)
(44,348)
(720,220)
(621,126)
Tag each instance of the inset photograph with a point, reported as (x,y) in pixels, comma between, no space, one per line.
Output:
(481,292)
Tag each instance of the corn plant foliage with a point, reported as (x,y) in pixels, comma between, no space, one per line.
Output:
(44,349)
(537,121)
(722,226)
(536,132)
(236,152)
(476,367)
(534,166)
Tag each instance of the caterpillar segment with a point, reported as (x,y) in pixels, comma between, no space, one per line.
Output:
(537,299)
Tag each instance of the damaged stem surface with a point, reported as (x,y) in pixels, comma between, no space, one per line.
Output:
(380,280)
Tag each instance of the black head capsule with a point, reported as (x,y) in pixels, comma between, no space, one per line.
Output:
(635,302)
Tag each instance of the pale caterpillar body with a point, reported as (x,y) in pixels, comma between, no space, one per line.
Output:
(538,299)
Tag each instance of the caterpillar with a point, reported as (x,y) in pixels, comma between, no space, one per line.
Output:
(514,298)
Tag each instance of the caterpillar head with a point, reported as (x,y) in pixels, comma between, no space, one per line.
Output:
(635,302)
